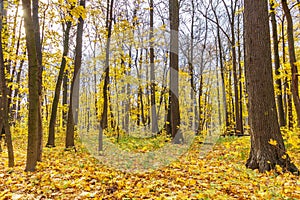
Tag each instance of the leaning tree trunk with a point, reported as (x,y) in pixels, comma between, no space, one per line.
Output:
(264,155)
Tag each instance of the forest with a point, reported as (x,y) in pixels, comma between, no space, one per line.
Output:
(147,99)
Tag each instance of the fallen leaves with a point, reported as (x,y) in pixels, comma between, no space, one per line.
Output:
(219,175)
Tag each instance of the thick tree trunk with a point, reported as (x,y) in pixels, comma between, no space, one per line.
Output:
(33,85)
(262,109)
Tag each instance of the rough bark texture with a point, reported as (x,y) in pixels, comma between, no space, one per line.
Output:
(174,51)
(262,109)
(33,82)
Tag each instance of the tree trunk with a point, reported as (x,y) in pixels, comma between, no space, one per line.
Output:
(104,115)
(51,136)
(262,109)
(35,18)
(33,85)
(174,78)
(4,124)
(154,124)
(277,66)
(73,109)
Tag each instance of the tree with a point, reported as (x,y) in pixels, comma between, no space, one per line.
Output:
(152,74)
(104,115)
(74,84)
(35,18)
(174,51)
(33,83)
(267,147)
(277,65)
(51,135)
(4,124)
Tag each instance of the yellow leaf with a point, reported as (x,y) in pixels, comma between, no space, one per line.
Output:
(272,142)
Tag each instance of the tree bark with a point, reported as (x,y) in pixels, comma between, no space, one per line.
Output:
(4,114)
(36,23)
(73,109)
(33,83)
(277,66)
(174,78)
(262,109)
(154,124)
(51,136)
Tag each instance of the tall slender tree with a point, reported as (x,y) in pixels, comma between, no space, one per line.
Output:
(154,125)
(4,124)
(104,114)
(267,147)
(174,51)
(33,83)
(75,82)
(38,43)
(51,134)
(277,66)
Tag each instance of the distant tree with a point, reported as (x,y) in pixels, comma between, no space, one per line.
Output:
(267,147)
(104,114)
(152,73)
(33,84)
(277,65)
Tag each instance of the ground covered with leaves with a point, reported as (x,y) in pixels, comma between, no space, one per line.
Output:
(220,174)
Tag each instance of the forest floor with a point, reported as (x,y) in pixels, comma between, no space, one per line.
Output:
(220,174)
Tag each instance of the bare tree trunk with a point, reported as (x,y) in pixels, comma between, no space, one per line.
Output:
(35,18)
(154,124)
(4,114)
(33,85)
(277,66)
(72,112)
(262,109)
(104,115)
(174,51)
(51,136)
